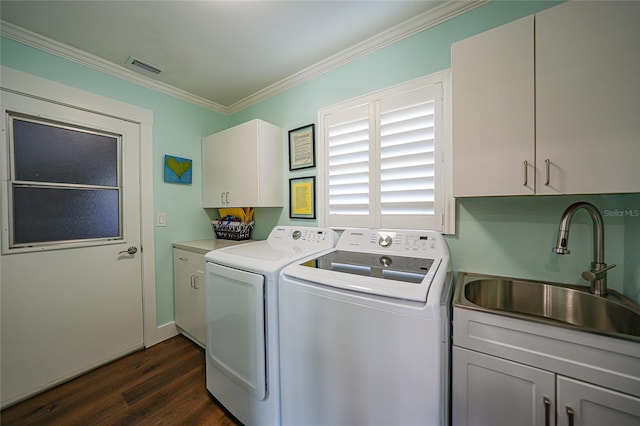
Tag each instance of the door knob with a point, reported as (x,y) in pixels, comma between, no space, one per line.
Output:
(130,250)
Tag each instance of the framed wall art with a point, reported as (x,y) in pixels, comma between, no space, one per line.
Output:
(302,198)
(177,169)
(302,143)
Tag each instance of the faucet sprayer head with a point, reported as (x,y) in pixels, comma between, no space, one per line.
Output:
(563,241)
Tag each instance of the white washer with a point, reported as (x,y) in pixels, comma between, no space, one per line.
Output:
(241,319)
(365,332)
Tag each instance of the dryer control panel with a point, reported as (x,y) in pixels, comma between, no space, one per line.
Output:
(300,236)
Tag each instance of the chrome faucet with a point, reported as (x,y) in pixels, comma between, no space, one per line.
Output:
(597,276)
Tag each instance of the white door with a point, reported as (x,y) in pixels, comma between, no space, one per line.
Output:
(72,305)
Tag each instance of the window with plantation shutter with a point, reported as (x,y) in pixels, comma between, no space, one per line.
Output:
(348,164)
(382,161)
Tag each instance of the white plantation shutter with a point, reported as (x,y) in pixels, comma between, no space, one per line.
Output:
(348,138)
(381,160)
(408,158)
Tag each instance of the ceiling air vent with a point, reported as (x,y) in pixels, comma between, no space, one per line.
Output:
(143,65)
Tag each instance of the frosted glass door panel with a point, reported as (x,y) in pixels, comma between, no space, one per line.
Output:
(47,153)
(65,183)
(71,214)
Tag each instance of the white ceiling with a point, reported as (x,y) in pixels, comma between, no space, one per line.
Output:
(224,53)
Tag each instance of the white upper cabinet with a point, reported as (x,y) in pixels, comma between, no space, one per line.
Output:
(493,112)
(588,98)
(242,166)
(549,104)
(214,165)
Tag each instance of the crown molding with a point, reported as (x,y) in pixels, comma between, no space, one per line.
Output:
(431,18)
(421,22)
(87,59)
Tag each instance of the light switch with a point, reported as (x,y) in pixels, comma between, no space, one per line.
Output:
(161,219)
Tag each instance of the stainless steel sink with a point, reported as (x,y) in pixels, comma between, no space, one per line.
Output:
(551,303)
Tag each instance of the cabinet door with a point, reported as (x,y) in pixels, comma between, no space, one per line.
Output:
(188,282)
(242,165)
(493,111)
(198,309)
(270,143)
(588,98)
(583,404)
(492,391)
(214,170)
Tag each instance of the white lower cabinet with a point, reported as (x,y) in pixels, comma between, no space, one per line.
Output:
(513,372)
(188,282)
(491,391)
(585,404)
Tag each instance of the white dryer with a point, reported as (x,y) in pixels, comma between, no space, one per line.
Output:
(364,332)
(241,319)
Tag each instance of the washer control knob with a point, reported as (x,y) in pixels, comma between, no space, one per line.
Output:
(386,261)
(385,240)
(296,234)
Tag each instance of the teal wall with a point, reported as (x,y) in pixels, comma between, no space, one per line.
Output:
(513,236)
(422,54)
(510,236)
(507,236)
(177,130)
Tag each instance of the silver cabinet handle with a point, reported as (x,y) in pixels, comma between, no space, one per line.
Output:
(570,415)
(130,250)
(547,411)
(193,278)
(547,165)
(184,259)
(525,164)
(224,198)
(195,282)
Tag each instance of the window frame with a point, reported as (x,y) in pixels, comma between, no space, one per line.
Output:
(9,245)
(444,216)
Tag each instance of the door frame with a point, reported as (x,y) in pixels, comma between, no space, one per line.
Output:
(29,85)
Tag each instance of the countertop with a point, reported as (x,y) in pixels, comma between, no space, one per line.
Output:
(205,246)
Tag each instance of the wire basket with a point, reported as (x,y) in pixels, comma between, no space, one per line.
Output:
(226,230)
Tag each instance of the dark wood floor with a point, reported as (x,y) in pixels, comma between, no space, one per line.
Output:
(161,385)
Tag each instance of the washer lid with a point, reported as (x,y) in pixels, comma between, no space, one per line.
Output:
(406,284)
(384,266)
